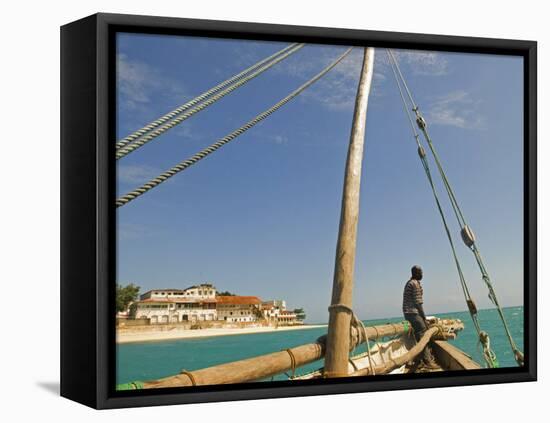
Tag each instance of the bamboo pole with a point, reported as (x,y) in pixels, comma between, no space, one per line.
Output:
(261,367)
(338,339)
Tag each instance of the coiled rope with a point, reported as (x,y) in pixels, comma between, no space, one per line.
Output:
(123,151)
(134,135)
(362,336)
(360,326)
(125,199)
(466,232)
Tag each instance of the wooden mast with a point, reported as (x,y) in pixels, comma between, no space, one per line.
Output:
(338,337)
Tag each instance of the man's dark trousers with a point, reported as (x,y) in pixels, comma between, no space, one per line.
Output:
(419,327)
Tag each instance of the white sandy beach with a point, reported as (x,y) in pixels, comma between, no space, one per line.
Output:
(124,337)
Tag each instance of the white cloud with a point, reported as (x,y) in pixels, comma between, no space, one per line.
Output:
(131,231)
(248,52)
(139,82)
(411,63)
(136,174)
(337,89)
(186,132)
(276,139)
(133,80)
(423,62)
(456,109)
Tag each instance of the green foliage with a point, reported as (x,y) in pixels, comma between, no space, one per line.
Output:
(125,295)
(300,313)
(225,293)
(133,310)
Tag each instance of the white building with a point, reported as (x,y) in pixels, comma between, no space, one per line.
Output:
(194,304)
(204,290)
(275,311)
(236,308)
(172,310)
(288,318)
(157,310)
(279,304)
(270,311)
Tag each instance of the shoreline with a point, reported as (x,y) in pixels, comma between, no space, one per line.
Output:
(176,334)
(131,337)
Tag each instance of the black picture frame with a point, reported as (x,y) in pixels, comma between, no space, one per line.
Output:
(88,216)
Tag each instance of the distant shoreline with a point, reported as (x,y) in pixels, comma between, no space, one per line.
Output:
(129,337)
(156,335)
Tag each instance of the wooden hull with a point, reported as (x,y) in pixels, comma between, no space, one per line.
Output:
(450,357)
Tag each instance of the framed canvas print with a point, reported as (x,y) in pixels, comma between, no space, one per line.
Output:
(258,211)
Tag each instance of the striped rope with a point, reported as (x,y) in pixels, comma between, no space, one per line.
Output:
(125,199)
(140,132)
(153,134)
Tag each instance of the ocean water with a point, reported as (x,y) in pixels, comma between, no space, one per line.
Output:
(151,360)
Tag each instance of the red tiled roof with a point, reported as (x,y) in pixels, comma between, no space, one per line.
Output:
(157,300)
(194,300)
(237,299)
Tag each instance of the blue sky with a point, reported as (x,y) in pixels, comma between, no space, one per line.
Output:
(260,216)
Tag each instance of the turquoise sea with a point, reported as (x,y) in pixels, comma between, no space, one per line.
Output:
(151,360)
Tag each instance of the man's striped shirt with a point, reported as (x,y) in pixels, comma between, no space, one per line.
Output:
(412,296)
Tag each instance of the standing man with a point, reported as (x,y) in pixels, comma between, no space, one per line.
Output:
(413,311)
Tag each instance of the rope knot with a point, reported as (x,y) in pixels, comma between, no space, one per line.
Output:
(342,307)
(357,331)
(518,355)
(488,354)
(292,363)
(190,376)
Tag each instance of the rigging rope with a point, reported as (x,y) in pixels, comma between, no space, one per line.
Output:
(466,232)
(125,199)
(140,132)
(488,355)
(121,152)
(359,324)
(470,241)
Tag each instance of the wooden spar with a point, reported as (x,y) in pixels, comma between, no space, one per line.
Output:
(403,359)
(261,367)
(245,370)
(338,339)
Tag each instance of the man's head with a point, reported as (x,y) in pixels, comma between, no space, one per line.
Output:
(416,272)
